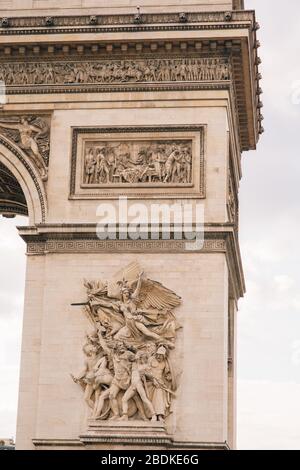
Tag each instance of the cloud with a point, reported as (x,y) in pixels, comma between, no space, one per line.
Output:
(268,415)
(283,282)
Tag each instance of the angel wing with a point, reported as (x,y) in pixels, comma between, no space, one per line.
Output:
(154,295)
(129,274)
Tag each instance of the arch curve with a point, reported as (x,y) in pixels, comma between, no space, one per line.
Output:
(28,178)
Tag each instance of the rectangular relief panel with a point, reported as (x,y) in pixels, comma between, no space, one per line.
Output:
(138,162)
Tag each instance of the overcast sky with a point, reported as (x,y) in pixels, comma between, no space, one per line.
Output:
(269,317)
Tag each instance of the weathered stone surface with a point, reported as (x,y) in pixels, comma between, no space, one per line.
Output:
(105,101)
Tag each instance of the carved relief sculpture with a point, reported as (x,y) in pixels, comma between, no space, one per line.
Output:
(128,373)
(32,135)
(134,161)
(232,203)
(114,71)
(157,162)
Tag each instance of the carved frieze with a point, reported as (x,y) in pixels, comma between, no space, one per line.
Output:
(128,372)
(24,74)
(134,161)
(138,162)
(31,134)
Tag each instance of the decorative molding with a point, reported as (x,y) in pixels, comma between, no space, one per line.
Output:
(83,23)
(31,172)
(125,29)
(246,97)
(84,137)
(87,440)
(172,444)
(119,246)
(121,71)
(129,88)
(71,239)
(234,85)
(57,443)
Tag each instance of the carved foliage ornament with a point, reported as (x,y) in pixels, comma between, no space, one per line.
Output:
(32,135)
(114,71)
(128,372)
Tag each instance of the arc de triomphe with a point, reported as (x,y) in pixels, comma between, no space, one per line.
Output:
(114,110)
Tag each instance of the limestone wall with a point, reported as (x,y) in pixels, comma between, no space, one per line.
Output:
(170,113)
(51,405)
(56,7)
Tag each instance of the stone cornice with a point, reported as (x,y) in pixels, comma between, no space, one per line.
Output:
(88,23)
(82,238)
(220,34)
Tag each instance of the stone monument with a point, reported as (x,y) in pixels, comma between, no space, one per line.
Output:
(116,110)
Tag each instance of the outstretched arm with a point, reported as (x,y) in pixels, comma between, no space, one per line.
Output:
(97,301)
(15,127)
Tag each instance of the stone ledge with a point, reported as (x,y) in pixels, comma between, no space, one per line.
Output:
(44,444)
(77,21)
(126,432)
(75,238)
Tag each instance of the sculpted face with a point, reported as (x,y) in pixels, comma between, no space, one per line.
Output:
(121,351)
(126,295)
(160,357)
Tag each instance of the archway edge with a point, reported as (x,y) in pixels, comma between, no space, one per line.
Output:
(28,178)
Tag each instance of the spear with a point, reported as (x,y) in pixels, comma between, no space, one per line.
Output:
(82,304)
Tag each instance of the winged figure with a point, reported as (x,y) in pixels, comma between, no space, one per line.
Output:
(134,330)
(31,134)
(134,308)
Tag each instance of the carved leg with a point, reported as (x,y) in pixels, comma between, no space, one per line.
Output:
(113,393)
(140,407)
(145,399)
(100,403)
(87,395)
(97,394)
(127,396)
